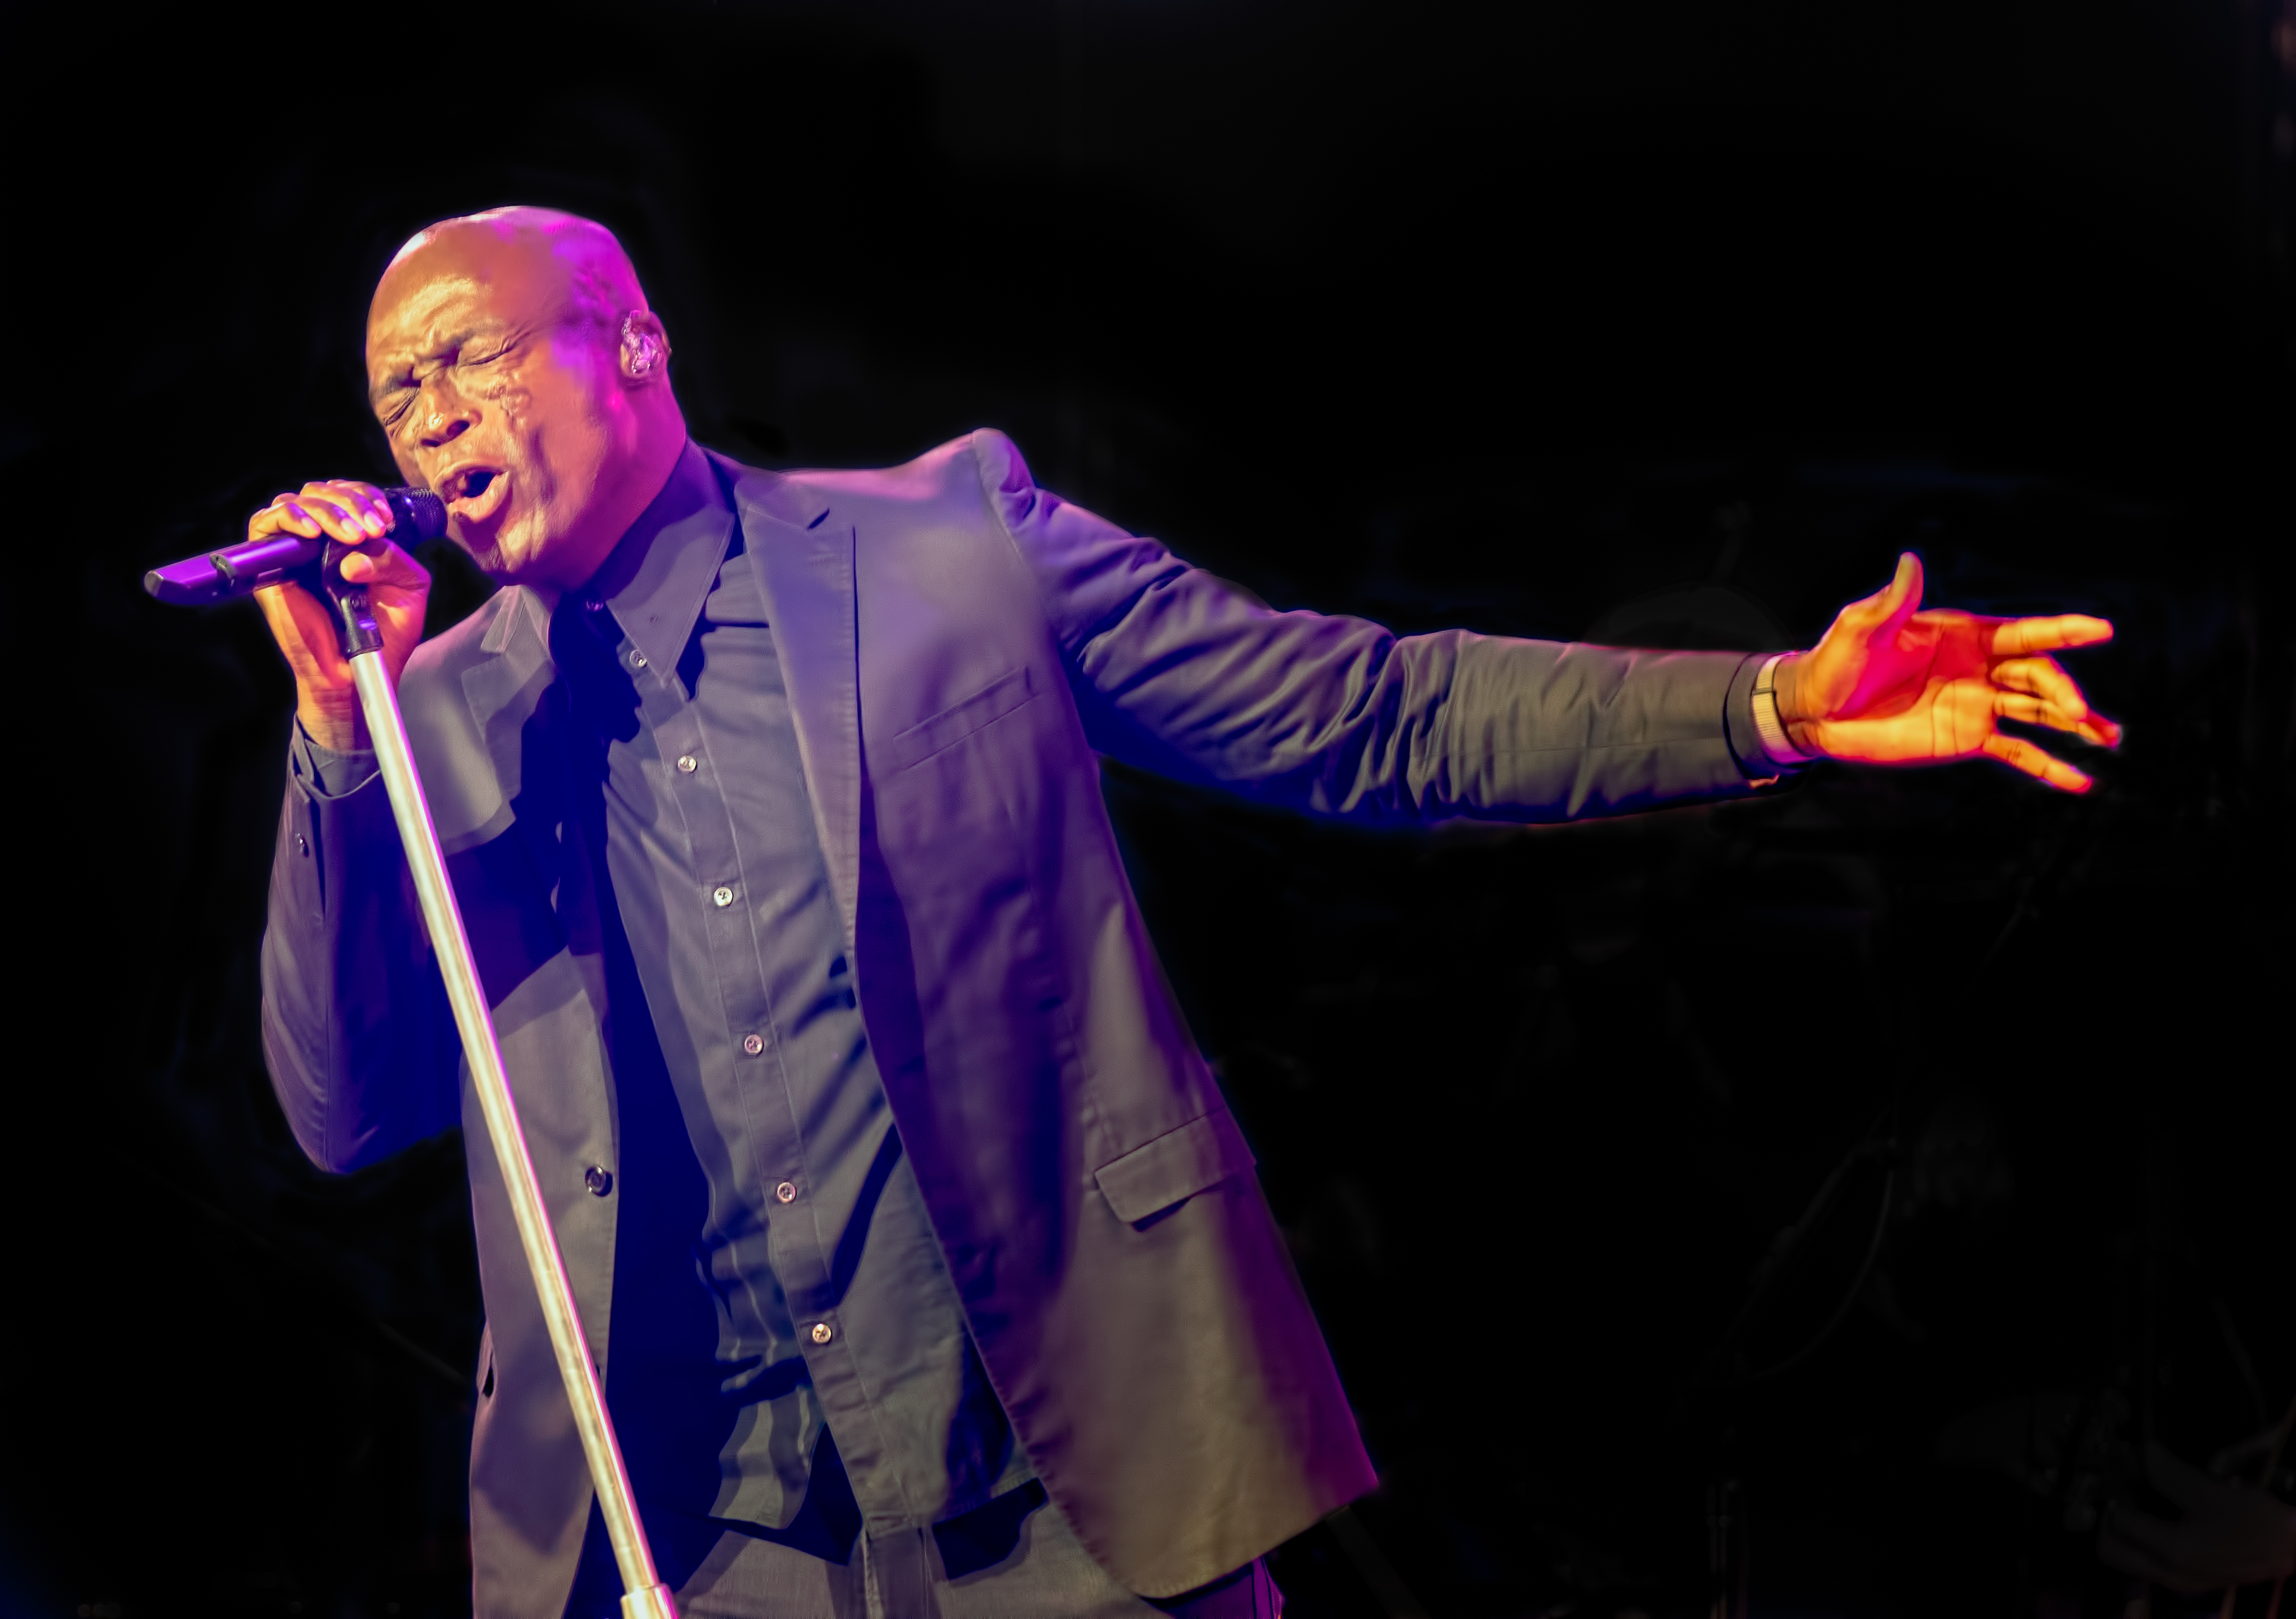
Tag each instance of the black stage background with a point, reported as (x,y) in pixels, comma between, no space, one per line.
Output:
(1669,322)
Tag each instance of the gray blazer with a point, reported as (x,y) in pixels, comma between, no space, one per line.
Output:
(959,647)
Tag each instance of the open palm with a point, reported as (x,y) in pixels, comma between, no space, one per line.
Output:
(1890,684)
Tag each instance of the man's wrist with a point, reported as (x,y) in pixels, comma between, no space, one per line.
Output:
(1801,725)
(339,729)
(1778,716)
(1785,677)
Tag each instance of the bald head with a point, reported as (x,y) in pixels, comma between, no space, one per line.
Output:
(582,254)
(516,367)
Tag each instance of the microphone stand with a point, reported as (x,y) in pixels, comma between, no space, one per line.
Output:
(645,1596)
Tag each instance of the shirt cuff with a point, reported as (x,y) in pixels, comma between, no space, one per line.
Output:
(1744,733)
(326,774)
(1769,727)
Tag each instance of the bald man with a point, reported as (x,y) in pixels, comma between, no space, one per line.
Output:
(925,1265)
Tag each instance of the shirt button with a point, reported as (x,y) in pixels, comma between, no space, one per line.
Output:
(599,1180)
(785,1192)
(302,845)
(721,896)
(823,1332)
(753,1043)
(595,604)
(637,660)
(687,764)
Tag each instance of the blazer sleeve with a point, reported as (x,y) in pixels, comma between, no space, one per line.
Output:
(356,1032)
(1180,672)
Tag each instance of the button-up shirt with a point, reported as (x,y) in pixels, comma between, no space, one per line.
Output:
(782,1317)
(786,1351)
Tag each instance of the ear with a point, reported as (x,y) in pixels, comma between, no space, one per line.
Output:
(645,348)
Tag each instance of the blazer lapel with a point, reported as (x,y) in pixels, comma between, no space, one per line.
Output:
(471,771)
(804,558)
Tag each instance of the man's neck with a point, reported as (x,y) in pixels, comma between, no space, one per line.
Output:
(651,467)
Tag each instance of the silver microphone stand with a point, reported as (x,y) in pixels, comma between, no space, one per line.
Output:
(645,1595)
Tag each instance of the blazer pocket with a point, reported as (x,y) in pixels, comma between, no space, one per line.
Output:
(959,720)
(1174,1167)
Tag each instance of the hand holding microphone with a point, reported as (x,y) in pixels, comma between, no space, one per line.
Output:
(359,515)
(398,589)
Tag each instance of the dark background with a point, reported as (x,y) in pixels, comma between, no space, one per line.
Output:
(1668,323)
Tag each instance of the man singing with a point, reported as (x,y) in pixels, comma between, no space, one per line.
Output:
(924,1265)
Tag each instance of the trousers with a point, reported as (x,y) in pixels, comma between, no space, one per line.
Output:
(903,1574)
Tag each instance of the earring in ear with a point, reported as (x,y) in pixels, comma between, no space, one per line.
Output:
(641,350)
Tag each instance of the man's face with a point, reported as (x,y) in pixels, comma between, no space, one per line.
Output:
(504,394)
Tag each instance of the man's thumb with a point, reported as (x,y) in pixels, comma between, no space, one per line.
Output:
(1906,588)
(385,564)
(1898,602)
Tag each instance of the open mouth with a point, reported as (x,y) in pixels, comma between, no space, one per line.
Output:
(472,493)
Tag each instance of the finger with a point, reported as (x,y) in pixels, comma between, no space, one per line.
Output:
(2045,679)
(361,501)
(2036,711)
(2033,711)
(285,516)
(2019,754)
(334,520)
(346,510)
(2042,678)
(356,487)
(1881,613)
(367,503)
(384,564)
(371,503)
(1904,596)
(332,492)
(2011,637)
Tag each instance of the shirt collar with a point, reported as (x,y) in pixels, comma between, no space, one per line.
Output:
(656,577)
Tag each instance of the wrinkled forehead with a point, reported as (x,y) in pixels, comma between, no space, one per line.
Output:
(465,275)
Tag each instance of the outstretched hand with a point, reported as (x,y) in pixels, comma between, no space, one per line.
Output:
(1890,684)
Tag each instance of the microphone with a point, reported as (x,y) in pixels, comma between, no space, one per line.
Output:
(226,575)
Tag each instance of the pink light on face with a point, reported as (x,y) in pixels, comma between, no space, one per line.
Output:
(518,372)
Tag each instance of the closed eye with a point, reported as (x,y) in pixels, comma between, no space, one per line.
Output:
(485,355)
